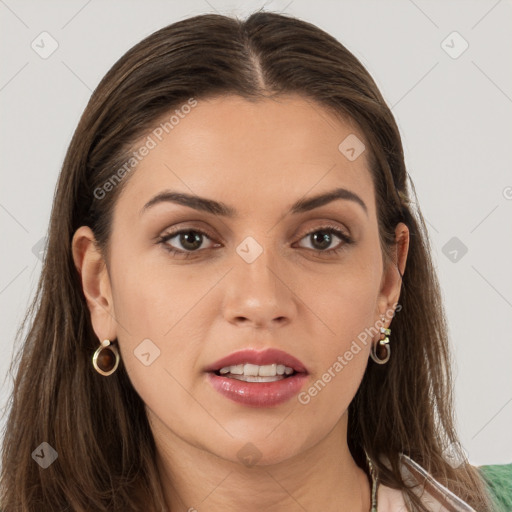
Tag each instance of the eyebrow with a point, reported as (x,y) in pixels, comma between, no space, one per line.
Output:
(222,209)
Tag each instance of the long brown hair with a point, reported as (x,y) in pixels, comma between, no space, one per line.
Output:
(98,425)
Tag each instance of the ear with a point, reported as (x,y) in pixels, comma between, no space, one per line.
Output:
(95,283)
(392,276)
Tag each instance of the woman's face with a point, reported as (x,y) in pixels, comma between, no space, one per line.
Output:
(259,275)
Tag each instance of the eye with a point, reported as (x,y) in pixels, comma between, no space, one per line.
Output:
(190,240)
(322,238)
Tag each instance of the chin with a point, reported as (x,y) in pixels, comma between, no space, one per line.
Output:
(263,450)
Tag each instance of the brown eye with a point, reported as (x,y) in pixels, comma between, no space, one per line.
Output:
(321,239)
(187,240)
(190,240)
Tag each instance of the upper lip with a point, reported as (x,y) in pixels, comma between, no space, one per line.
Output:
(259,357)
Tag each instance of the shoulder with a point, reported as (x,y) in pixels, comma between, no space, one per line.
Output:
(499,482)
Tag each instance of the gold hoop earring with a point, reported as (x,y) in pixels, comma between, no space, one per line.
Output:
(380,352)
(106,358)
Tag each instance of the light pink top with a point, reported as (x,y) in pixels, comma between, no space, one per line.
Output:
(435,496)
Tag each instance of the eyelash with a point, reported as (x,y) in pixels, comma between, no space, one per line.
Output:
(186,254)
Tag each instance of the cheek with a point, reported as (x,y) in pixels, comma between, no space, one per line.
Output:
(157,306)
(346,307)
(341,358)
(157,348)
(349,313)
(151,297)
(346,299)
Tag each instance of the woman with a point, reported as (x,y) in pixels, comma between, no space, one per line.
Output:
(231,239)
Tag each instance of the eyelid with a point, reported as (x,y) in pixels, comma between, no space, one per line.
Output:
(322,225)
(177,229)
(346,240)
(326,225)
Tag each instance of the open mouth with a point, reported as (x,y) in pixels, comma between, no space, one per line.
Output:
(255,378)
(251,384)
(255,373)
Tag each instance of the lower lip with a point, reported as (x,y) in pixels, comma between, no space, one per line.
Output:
(258,394)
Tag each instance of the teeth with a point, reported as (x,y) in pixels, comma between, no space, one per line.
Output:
(254,370)
(269,370)
(251,378)
(251,370)
(237,370)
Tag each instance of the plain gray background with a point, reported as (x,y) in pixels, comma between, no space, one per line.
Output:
(454,112)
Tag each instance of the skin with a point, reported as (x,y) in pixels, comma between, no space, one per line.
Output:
(258,158)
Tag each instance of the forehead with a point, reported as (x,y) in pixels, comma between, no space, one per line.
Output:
(251,155)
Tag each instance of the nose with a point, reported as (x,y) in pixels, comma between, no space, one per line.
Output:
(259,294)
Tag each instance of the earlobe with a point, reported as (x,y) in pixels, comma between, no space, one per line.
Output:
(95,281)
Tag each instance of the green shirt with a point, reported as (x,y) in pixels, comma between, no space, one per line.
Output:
(433,494)
(499,483)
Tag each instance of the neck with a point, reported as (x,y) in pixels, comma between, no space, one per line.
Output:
(323,478)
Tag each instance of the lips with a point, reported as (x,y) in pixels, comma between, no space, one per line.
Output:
(244,377)
(260,358)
